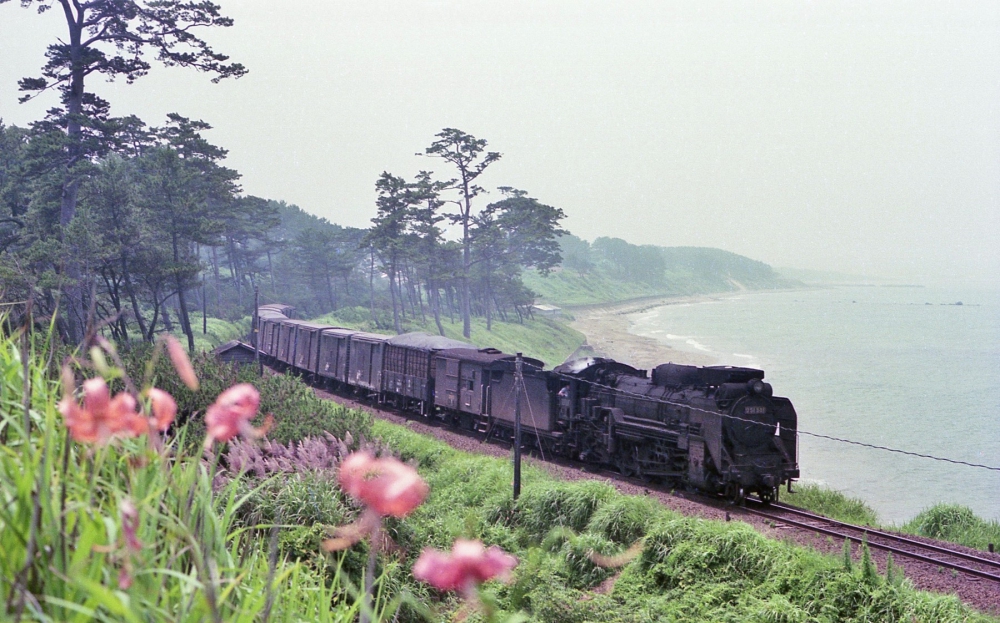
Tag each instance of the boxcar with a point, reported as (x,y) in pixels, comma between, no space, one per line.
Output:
(407,369)
(287,332)
(536,401)
(307,340)
(334,353)
(268,318)
(364,366)
(481,383)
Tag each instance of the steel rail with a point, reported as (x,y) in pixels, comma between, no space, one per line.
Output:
(879,534)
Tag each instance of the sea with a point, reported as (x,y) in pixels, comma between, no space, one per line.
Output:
(907,368)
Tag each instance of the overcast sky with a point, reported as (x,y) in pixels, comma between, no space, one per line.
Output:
(861,137)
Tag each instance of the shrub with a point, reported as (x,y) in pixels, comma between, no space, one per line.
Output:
(832,504)
(625,519)
(568,504)
(959,524)
(298,412)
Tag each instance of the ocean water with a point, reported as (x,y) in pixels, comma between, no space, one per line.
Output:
(902,367)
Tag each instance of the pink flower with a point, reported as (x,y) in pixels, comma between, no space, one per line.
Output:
(163,406)
(231,413)
(130,525)
(386,485)
(101,417)
(468,565)
(181,362)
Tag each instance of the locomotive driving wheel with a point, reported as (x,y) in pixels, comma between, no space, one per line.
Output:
(627,461)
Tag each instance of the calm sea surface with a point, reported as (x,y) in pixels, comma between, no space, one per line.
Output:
(892,366)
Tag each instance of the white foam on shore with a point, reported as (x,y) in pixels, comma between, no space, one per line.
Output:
(697,345)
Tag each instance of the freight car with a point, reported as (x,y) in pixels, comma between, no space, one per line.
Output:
(719,429)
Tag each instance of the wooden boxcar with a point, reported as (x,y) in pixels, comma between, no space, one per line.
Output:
(407,369)
(307,339)
(268,318)
(334,353)
(481,383)
(364,366)
(287,332)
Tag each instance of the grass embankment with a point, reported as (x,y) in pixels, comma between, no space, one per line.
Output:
(543,338)
(688,569)
(201,541)
(946,522)
(217,332)
(130,531)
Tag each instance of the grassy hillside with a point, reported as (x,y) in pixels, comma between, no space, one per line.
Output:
(612,270)
(564,287)
(218,332)
(542,338)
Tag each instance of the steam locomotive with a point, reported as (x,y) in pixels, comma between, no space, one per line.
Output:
(719,429)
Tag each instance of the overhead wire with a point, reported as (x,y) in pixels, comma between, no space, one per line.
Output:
(755,422)
(800,431)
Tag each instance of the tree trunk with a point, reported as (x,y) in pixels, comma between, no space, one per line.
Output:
(392,295)
(489,298)
(72,291)
(435,297)
(270,271)
(167,323)
(215,268)
(182,303)
(329,292)
(371,287)
(130,291)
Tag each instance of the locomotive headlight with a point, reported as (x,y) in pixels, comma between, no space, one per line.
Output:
(761,388)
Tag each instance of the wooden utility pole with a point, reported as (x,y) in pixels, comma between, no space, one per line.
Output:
(518,383)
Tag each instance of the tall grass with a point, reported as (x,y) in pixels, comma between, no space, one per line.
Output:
(831,503)
(688,569)
(66,548)
(958,524)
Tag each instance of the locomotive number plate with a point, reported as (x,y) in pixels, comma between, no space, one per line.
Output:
(755,410)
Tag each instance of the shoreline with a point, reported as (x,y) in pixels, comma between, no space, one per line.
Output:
(607,329)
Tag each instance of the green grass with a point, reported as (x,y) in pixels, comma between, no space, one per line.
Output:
(218,332)
(688,569)
(207,552)
(543,338)
(958,524)
(63,551)
(945,522)
(832,504)
(569,288)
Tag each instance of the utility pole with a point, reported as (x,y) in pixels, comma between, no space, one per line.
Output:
(518,383)
(255,333)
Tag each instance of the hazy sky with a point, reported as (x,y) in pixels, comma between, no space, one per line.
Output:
(851,136)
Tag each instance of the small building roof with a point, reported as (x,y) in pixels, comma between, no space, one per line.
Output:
(546,307)
(231,345)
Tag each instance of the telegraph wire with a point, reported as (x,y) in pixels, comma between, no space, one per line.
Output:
(799,431)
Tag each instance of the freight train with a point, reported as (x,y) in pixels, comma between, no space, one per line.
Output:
(719,429)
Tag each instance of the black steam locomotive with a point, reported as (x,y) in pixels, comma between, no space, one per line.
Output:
(719,429)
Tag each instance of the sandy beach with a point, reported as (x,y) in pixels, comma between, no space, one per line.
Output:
(607,331)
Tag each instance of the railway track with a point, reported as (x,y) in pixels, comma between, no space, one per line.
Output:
(898,545)
(945,557)
(975,580)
